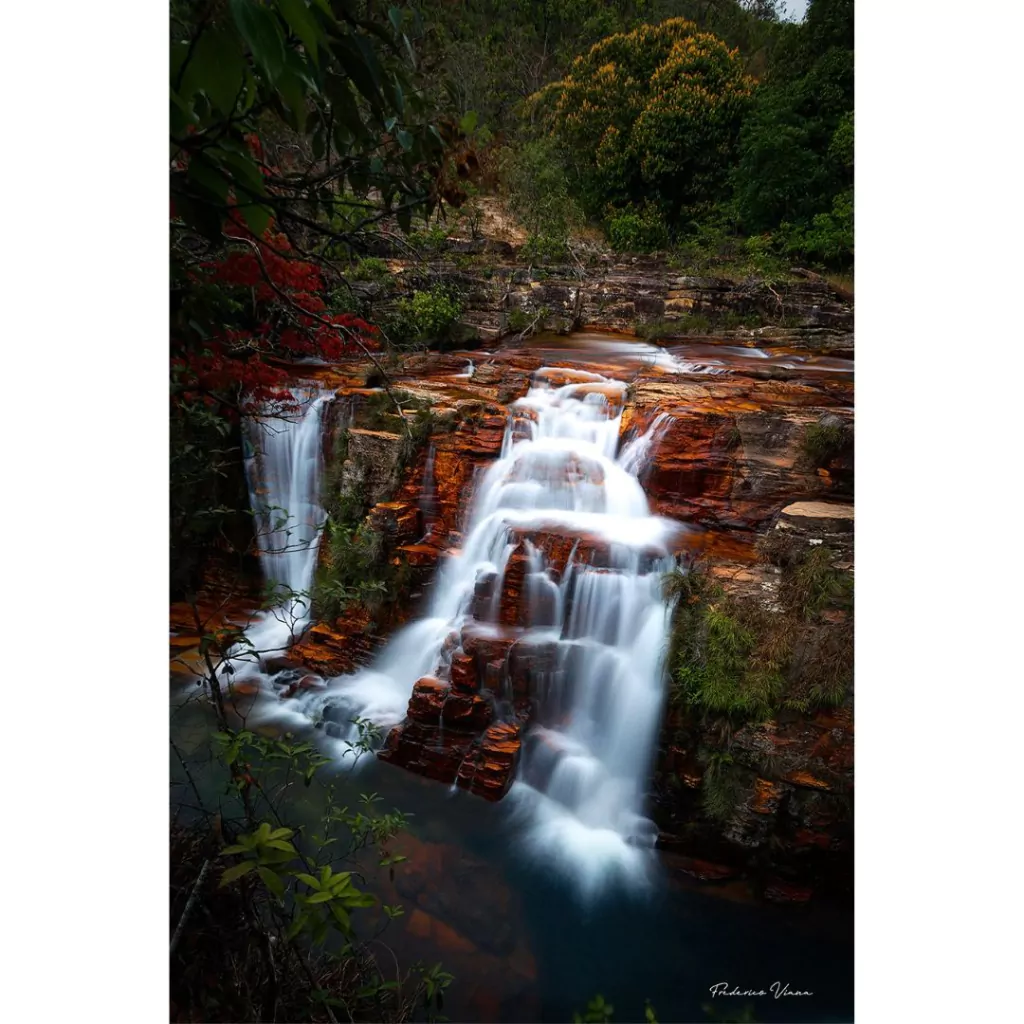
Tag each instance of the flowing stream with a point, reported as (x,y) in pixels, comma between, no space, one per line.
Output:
(588,750)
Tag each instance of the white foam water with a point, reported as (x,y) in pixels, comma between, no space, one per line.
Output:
(283,462)
(587,753)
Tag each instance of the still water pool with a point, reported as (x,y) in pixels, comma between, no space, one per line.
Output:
(526,942)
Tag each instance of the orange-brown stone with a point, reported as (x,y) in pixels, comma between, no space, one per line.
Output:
(463,673)
(428,700)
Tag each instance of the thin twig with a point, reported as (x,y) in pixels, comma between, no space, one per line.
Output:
(188,906)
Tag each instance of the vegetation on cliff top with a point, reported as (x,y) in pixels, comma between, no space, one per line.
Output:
(747,660)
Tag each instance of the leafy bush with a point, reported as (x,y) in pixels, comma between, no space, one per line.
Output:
(814,583)
(722,787)
(518,320)
(544,248)
(370,269)
(825,440)
(429,317)
(637,232)
(659,330)
(431,241)
(736,658)
(794,172)
(536,189)
(828,240)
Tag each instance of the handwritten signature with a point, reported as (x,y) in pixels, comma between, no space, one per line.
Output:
(777,990)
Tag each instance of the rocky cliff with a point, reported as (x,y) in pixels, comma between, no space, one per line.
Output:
(753,454)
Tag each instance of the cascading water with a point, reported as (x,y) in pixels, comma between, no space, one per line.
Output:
(588,750)
(635,456)
(282,465)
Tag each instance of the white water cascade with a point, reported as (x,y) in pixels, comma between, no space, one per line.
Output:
(588,750)
(282,466)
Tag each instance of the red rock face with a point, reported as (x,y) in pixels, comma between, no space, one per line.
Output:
(731,461)
(490,767)
(338,648)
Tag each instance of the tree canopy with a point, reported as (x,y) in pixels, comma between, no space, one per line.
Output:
(650,115)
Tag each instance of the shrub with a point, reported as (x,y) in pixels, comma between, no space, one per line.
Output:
(544,248)
(536,189)
(518,320)
(736,658)
(429,317)
(717,664)
(722,789)
(370,269)
(825,440)
(812,583)
(431,240)
(637,232)
(658,330)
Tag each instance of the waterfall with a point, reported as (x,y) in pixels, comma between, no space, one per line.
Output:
(428,493)
(635,456)
(588,751)
(283,461)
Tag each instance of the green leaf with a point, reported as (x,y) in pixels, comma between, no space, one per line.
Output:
(205,175)
(344,107)
(294,96)
(256,217)
(468,122)
(236,871)
(404,139)
(308,879)
(361,70)
(260,30)
(272,881)
(217,69)
(280,844)
(358,899)
(297,925)
(320,897)
(341,916)
(302,23)
(237,848)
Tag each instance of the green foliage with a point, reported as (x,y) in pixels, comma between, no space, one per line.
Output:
(518,320)
(371,269)
(813,583)
(432,241)
(535,188)
(597,1012)
(828,239)
(722,787)
(637,231)
(600,1012)
(428,318)
(717,664)
(736,658)
(651,115)
(826,440)
(545,248)
(794,175)
(300,889)
(313,69)
(659,330)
